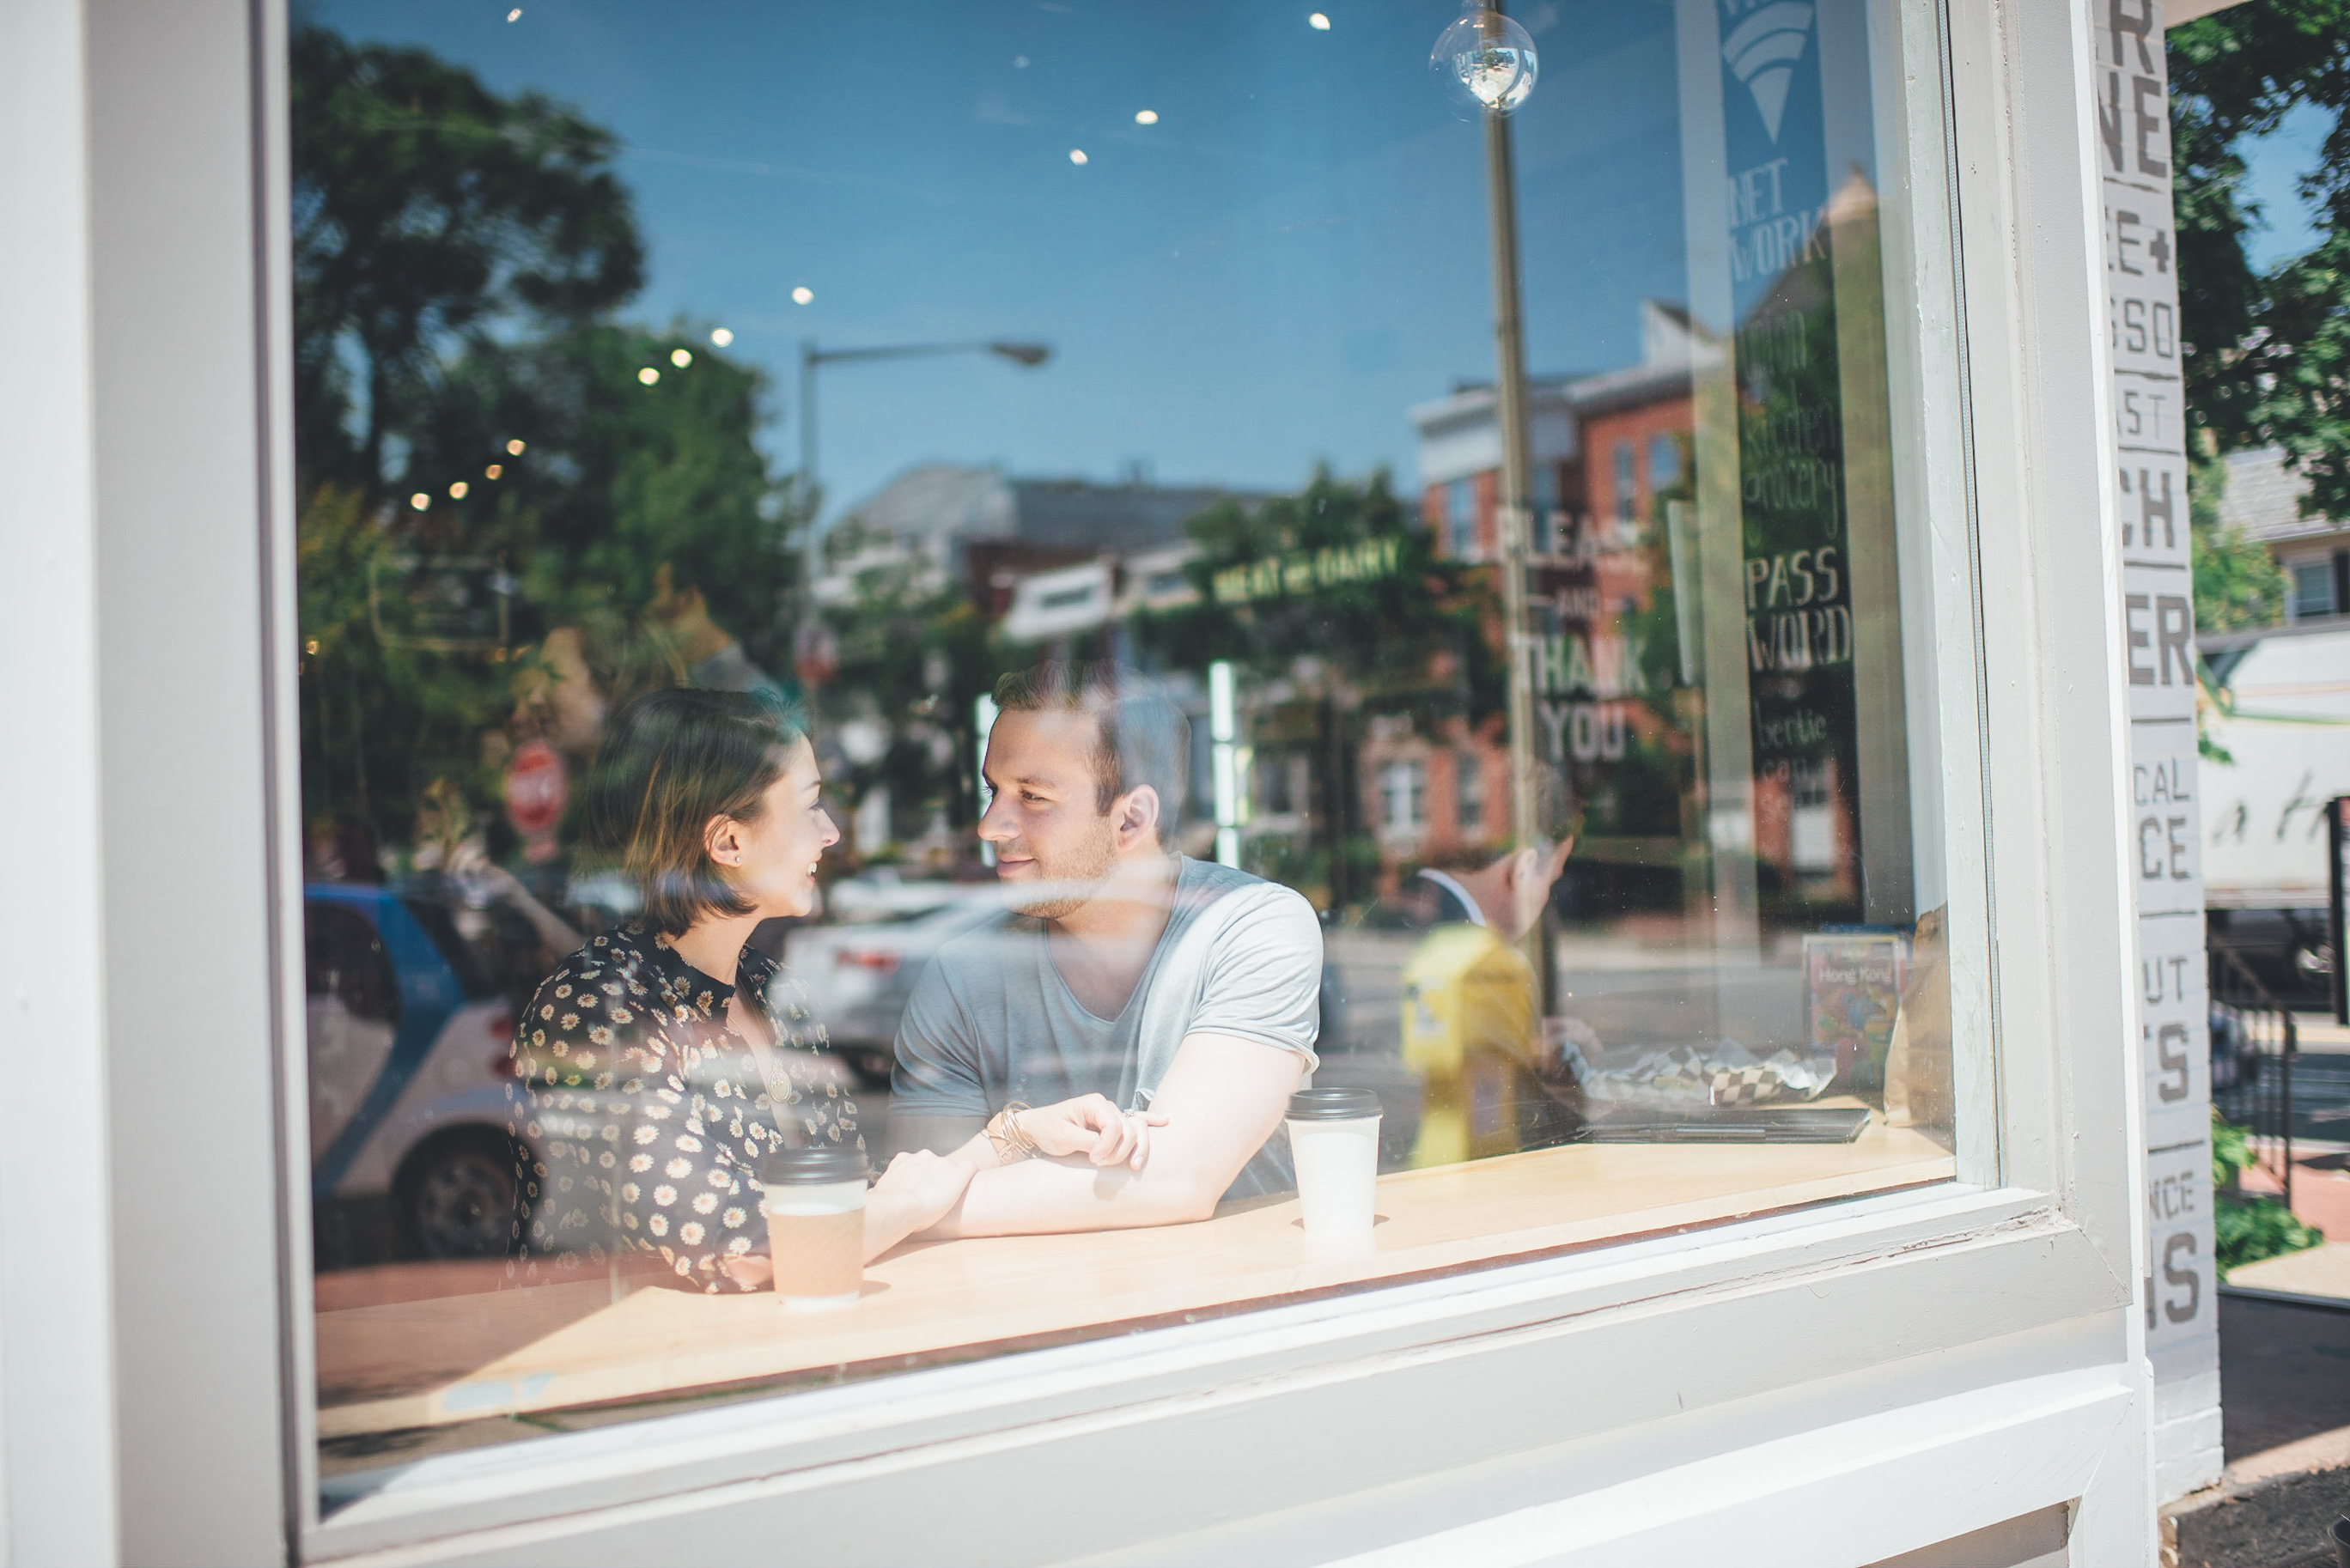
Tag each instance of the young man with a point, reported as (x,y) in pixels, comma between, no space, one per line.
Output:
(1174,1001)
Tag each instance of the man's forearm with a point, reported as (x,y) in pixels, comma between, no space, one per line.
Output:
(1221,1100)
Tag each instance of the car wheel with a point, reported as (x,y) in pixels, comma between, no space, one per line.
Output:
(461,1202)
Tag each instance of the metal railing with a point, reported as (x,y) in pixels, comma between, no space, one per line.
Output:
(2253,1043)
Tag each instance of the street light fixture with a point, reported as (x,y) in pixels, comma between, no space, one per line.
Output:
(1029,355)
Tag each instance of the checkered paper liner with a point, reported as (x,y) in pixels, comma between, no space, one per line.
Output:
(1688,1077)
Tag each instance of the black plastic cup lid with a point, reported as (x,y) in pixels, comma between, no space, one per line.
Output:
(812,1166)
(1332,1105)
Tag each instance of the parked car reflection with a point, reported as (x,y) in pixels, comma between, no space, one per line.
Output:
(860,965)
(410,1044)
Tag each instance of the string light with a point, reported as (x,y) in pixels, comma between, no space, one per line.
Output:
(720,336)
(457,491)
(679,358)
(420,501)
(648,375)
(514,448)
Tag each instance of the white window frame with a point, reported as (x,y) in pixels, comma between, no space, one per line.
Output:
(1962,1353)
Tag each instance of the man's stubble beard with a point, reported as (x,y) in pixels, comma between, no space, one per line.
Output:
(1071,882)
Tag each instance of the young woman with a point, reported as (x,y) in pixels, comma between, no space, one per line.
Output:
(661,1061)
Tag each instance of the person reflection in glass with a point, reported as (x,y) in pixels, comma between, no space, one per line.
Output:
(1491,1081)
(659,1063)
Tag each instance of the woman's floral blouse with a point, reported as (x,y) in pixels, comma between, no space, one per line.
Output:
(634,1088)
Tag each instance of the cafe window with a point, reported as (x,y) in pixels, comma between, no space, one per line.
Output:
(1403,792)
(732,491)
(1627,481)
(2313,589)
(1468,794)
(1664,462)
(1461,518)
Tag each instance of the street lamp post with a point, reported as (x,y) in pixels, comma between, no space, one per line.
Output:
(1502,75)
(1028,354)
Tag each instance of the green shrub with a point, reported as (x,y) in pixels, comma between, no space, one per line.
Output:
(2248,1228)
(2231,1150)
(2251,1229)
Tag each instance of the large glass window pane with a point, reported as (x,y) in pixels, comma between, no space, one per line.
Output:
(848,591)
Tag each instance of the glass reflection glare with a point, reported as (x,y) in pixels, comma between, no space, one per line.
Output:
(1483,63)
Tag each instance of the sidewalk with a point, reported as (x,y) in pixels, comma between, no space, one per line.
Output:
(2284,1393)
(2320,1197)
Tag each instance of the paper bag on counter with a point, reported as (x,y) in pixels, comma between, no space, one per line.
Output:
(1918,1064)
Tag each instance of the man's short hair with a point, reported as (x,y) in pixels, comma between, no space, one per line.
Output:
(1141,738)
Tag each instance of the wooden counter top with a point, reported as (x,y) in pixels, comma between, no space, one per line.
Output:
(399,1364)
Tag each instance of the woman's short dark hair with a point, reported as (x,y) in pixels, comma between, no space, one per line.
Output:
(670,760)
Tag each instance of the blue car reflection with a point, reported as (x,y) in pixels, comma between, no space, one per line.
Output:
(410,1041)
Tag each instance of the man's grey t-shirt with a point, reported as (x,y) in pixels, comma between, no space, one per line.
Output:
(991,1021)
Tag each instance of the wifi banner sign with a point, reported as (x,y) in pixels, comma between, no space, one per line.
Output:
(1785,228)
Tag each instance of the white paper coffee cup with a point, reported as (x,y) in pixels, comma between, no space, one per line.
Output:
(1334,1142)
(814,1205)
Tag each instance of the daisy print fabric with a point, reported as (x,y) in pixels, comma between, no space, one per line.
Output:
(646,1114)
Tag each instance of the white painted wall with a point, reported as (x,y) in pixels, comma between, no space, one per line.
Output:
(2165,807)
(57,1374)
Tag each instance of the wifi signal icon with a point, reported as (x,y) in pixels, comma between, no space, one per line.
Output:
(1763,50)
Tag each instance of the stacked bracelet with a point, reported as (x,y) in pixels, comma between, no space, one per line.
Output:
(1011,1139)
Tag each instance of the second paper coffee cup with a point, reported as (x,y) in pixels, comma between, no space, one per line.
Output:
(815,1206)
(1333,1140)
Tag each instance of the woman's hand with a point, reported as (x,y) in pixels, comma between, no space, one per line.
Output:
(1091,1126)
(750,1271)
(921,1187)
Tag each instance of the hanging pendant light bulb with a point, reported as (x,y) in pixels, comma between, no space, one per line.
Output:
(1484,63)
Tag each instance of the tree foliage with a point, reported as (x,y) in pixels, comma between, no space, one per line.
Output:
(2238,583)
(427,210)
(483,458)
(2267,356)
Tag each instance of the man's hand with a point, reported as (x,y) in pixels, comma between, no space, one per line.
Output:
(1091,1126)
(1222,1098)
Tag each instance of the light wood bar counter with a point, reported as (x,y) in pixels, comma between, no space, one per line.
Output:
(429,1362)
